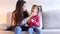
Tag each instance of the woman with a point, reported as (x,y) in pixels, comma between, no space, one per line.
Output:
(19,14)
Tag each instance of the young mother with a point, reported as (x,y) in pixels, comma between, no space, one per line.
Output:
(19,14)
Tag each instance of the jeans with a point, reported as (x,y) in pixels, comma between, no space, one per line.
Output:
(31,31)
(18,30)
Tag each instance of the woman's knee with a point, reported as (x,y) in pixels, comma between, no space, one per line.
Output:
(18,28)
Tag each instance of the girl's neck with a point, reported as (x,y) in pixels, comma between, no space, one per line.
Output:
(35,13)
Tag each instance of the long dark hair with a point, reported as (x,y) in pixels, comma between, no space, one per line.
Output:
(19,12)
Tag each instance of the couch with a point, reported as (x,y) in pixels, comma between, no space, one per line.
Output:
(50,22)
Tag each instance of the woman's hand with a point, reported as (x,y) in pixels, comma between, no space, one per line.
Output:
(30,16)
(30,19)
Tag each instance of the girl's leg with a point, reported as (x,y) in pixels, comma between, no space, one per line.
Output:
(38,31)
(18,30)
(31,31)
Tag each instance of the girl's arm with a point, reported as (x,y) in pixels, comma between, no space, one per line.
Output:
(36,21)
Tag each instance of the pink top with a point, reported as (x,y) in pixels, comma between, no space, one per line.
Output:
(35,22)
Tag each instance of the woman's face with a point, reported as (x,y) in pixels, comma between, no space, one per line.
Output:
(24,7)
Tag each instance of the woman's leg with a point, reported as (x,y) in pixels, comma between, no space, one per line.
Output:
(31,31)
(38,31)
(18,30)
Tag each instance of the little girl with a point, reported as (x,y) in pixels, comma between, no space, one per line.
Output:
(34,21)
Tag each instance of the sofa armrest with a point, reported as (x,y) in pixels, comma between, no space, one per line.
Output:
(4,26)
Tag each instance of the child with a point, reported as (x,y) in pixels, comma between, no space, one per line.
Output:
(34,21)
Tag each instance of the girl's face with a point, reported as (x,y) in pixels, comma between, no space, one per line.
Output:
(24,7)
(35,9)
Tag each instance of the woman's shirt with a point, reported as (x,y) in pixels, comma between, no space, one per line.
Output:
(25,15)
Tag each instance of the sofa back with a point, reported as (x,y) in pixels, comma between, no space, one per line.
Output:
(51,19)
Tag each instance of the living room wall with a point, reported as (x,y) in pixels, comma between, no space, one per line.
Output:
(5,7)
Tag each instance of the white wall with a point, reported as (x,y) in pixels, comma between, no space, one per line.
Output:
(51,5)
(46,4)
(5,7)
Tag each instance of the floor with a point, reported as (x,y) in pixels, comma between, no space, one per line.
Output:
(6,32)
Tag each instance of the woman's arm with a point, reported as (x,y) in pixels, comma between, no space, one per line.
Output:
(24,21)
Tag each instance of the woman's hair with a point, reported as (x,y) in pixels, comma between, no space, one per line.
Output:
(33,7)
(19,12)
(20,4)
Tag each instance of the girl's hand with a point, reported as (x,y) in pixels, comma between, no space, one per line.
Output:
(32,20)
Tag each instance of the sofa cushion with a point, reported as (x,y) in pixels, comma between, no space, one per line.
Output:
(51,19)
(51,31)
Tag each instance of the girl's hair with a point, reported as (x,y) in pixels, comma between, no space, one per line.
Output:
(39,8)
(19,12)
(34,7)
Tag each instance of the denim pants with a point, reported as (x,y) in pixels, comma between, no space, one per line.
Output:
(32,30)
(18,30)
